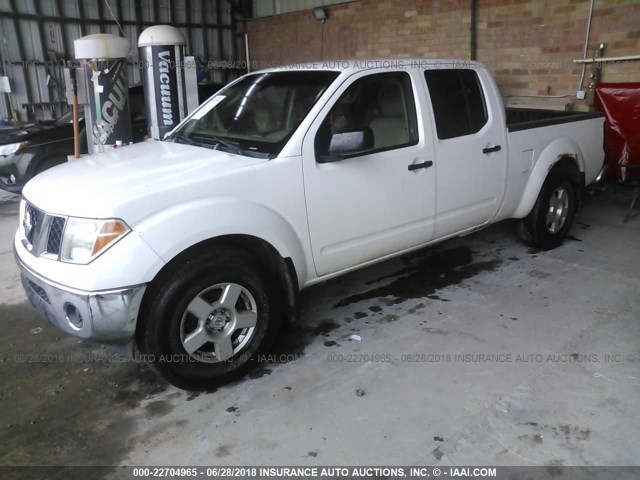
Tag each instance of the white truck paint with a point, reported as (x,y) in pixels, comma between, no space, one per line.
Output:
(321,217)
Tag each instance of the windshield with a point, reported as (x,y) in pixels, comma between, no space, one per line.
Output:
(68,117)
(257,115)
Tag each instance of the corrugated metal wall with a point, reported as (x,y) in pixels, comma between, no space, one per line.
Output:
(36,37)
(266,8)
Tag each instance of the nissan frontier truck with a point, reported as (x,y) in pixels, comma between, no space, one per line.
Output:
(194,248)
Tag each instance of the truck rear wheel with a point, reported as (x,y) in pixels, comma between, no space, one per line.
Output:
(552,215)
(208,320)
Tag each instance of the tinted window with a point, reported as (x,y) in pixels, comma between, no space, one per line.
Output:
(257,114)
(458,102)
(382,103)
(68,117)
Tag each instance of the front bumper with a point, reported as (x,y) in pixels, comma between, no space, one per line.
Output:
(104,316)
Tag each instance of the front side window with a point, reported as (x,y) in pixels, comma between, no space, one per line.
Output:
(381,104)
(458,102)
(257,115)
(68,117)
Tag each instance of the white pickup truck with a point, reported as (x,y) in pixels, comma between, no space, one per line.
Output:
(195,247)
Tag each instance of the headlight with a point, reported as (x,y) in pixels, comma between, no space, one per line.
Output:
(84,239)
(12,148)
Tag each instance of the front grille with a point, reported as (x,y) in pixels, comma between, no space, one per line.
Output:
(43,232)
(31,221)
(55,235)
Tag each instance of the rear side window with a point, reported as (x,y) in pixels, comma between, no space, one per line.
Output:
(458,102)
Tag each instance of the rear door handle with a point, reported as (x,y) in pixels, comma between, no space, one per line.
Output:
(497,148)
(418,166)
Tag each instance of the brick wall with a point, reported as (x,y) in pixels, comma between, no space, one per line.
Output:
(529,45)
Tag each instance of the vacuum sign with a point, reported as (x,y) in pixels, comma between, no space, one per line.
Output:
(167,88)
(110,102)
(165,79)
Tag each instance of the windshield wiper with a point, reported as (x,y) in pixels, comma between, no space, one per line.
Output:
(183,138)
(209,141)
(218,141)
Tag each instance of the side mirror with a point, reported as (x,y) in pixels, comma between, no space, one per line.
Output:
(351,143)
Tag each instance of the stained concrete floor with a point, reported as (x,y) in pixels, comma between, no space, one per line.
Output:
(477,351)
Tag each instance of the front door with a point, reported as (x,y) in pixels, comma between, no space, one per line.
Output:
(364,206)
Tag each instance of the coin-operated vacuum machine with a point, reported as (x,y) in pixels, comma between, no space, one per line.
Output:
(107,116)
(165,85)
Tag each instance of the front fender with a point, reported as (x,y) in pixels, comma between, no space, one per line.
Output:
(172,231)
(555,151)
(43,155)
(17,164)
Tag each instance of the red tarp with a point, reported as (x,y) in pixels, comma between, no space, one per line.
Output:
(621,104)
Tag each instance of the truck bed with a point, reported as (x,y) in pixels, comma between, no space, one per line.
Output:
(527,118)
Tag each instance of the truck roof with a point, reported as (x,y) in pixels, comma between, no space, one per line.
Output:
(357,65)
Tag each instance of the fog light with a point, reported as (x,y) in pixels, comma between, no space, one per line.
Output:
(12,178)
(72,315)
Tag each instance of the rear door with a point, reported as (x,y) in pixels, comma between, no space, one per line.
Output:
(471,149)
(362,207)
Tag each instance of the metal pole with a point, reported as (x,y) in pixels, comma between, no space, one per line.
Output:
(474,31)
(246,48)
(586,43)
(627,58)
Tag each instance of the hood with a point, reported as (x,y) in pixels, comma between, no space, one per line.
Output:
(14,135)
(132,182)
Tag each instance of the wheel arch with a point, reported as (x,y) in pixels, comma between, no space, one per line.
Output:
(282,269)
(39,160)
(561,154)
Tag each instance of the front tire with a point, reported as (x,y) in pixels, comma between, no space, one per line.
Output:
(209,318)
(550,220)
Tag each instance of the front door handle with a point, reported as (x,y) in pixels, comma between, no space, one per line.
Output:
(497,148)
(418,166)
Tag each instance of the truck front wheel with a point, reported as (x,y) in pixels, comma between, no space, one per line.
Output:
(209,318)
(552,215)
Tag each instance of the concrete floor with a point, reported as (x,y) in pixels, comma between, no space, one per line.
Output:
(565,390)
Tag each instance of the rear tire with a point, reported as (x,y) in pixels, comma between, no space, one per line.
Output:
(209,318)
(550,220)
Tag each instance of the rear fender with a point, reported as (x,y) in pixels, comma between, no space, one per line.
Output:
(560,149)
